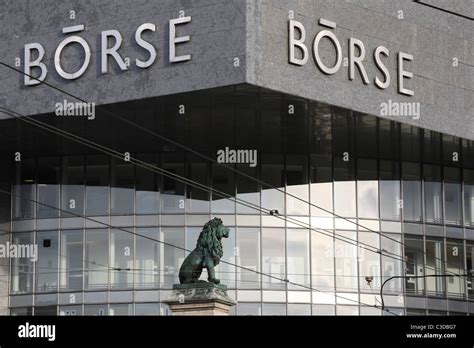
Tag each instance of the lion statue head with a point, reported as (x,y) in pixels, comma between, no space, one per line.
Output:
(209,241)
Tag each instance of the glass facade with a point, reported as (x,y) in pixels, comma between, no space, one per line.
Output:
(366,179)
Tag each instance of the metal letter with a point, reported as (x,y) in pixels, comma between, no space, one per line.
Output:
(29,81)
(402,73)
(293,43)
(378,62)
(175,40)
(111,51)
(146,45)
(337,46)
(353,60)
(57,57)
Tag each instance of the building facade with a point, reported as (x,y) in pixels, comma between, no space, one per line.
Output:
(334,138)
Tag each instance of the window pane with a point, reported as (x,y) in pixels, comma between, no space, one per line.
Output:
(223,180)
(297,185)
(344,188)
(298,258)
(121,309)
(391,267)
(247,189)
(173,190)
(369,261)
(455,265)
(470,267)
(273,257)
(274,309)
(171,258)
(147,258)
(95,310)
(411,174)
(197,199)
(22,267)
(224,271)
(321,186)
(433,195)
(96,259)
(390,204)
(414,265)
(452,196)
(410,140)
(72,195)
(147,309)
(121,257)
(367,189)
(48,187)
(47,264)
(122,187)
(435,266)
(97,181)
(147,187)
(366,137)
(469,197)
(71,260)
(346,262)
(272,173)
(70,310)
(322,261)
(248,256)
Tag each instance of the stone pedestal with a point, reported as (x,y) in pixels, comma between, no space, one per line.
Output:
(199,299)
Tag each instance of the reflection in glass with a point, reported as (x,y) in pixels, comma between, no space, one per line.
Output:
(171,258)
(248,256)
(121,309)
(452,196)
(432,191)
(390,204)
(96,310)
(298,257)
(272,173)
(147,258)
(96,263)
(223,180)
(391,267)
(435,266)
(22,267)
(197,199)
(322,261)
(121,257)
(48,187)
(346,262)
(173,190)
(367,189)
(97,189)
(455,265)
(414,256)
(469,197)
(47,264)
(321,186)
(72,195)
(122,193)
(411,175)
(247,189)
(71,260)
(297,185)
(147,187)
(470,268)
(369,265)
(273,257)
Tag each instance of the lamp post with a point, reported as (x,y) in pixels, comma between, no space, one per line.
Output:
(470,273)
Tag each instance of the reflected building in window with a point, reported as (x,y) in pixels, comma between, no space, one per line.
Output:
(336,197)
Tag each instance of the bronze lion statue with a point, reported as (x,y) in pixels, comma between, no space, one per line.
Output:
(207,254)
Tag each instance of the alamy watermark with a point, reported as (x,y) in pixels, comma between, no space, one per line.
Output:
(29,251)
(400,109)
(67,108)
(231,156)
